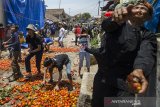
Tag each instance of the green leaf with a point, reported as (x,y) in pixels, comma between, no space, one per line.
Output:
(35,87)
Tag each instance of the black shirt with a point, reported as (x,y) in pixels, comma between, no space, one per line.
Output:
(125,48)
(34,41)
(59,61)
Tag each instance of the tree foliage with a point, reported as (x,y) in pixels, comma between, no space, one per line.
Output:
(86,16)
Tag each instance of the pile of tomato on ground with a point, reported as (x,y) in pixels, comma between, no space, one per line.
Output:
(32,93)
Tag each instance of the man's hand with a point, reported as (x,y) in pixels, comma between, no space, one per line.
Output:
(56,87)
(139,74)
(120,15)
(44,82)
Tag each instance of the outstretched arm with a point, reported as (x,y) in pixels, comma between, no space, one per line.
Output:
(145,60)
(44,77)
(59,79)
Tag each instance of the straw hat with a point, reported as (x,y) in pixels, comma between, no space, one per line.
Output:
(31,27)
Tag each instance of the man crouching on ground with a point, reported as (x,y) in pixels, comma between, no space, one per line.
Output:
(57,62)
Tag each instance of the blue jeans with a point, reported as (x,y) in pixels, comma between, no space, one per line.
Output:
(81,58)
(68,67)
(60,41)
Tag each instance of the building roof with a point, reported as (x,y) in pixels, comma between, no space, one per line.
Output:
(56,15)
(51,17)
(55,11)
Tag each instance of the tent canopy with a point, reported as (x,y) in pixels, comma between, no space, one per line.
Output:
(24,12)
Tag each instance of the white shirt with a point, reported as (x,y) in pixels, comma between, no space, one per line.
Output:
(62,32)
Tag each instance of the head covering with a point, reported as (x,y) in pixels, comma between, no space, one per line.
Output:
(8,25)
(135,2)
(47,62)
(31,27)
(146,4)
(1,25)
(84,30)
(14,27)
(149,6)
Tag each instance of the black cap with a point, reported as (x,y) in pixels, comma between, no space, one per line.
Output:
(1,25)
(47,62)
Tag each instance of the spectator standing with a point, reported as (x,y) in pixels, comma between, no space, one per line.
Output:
(77,33)
(61,35)
(84,41)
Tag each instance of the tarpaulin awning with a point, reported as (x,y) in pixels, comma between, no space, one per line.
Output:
(153,23)
(24,12)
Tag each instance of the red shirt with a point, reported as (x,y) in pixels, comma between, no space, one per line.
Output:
(78,30)
(1,32)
